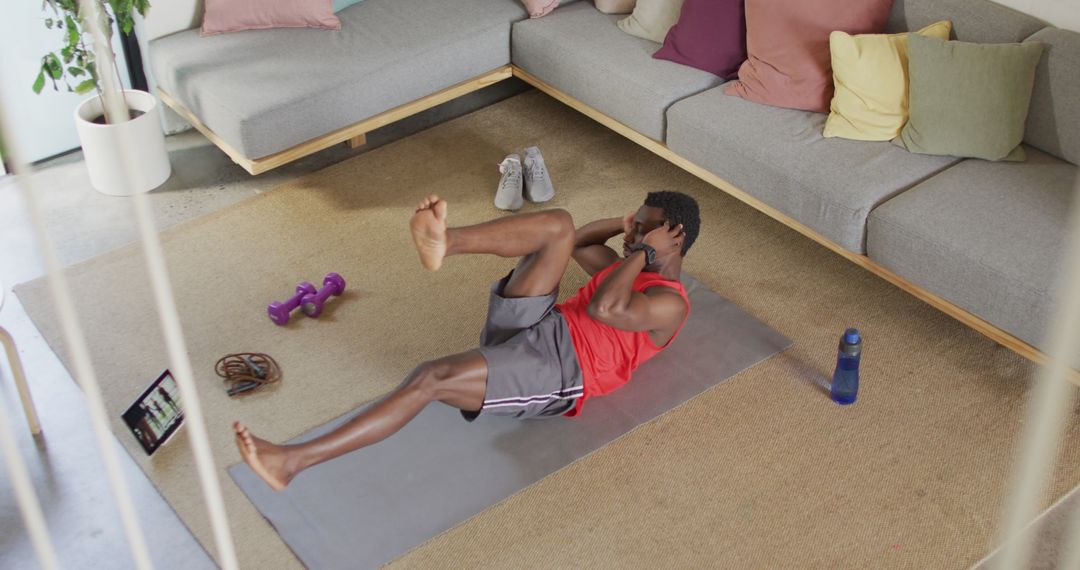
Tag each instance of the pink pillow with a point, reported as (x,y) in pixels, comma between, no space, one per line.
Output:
(710,35)
(788,45)
(223,16)
(539,8)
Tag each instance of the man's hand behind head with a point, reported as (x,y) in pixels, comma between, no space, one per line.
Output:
(628,224)
(666,240)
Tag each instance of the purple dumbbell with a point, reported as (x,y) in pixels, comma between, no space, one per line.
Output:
(279,312)
(312,305)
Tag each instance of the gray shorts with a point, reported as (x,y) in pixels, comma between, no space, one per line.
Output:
(533,371)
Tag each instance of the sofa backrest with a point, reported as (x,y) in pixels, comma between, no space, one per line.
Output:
(169,17)
(980,21)
(1053,123)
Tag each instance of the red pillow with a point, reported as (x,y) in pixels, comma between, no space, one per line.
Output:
(788,45)
(710,35)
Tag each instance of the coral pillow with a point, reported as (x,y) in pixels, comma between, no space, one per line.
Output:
(710,35)
(788,48)
(539,8)
(870,74)
(223,16)
(652,19)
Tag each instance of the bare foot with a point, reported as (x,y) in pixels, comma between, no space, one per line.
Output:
(267,460)
(428,226)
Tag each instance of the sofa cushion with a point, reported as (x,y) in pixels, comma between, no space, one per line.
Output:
(583,53)
(264,91)
(1053,122)
(226,16)
(779,156)
(615,6)
(979,21)
(652,19)
(955,86)
(870,74)
(539,8)
(710,35)
(987,236)
(787,47)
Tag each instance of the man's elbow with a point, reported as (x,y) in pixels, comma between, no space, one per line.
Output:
(602,312)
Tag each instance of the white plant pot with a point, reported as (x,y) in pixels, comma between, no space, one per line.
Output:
(128,157)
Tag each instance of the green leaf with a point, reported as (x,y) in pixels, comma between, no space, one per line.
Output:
(75,71)
(39,83)
(67,54)
(73,31)
(85,87)
(56,69)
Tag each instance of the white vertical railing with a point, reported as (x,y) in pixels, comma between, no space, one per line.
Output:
(1051,399)
(1070,551)
(174,341)
(84,373)
(181,369)
(83,368)
(29,505)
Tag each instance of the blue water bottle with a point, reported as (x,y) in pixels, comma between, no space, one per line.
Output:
(845,380)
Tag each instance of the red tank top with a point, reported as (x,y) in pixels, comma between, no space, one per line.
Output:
(607,355)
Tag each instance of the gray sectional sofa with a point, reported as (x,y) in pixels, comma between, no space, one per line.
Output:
(982,241)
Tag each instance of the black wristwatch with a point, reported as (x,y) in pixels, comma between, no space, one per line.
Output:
(650,253)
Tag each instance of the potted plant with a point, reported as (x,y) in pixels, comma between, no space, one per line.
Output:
(120,130)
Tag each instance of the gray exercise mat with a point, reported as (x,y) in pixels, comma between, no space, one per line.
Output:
(367,508)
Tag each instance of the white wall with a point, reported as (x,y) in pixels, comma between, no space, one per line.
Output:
(1061,13)
(42,125)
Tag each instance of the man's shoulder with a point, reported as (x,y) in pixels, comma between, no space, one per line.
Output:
(671,297)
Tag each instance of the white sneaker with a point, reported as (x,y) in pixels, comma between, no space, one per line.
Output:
(538,186)
(508,196)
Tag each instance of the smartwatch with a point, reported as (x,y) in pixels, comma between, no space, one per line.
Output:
(650,253)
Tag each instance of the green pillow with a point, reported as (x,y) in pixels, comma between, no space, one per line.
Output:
(339,5)
(968,100)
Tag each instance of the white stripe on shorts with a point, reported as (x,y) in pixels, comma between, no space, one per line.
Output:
(567,394)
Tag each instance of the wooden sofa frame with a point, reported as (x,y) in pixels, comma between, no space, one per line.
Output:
(355,135)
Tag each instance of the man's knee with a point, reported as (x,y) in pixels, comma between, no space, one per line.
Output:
(430,378)
(560,225)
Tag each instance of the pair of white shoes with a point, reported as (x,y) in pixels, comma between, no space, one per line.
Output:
(515,187)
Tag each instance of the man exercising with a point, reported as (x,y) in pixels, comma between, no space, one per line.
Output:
(536,358)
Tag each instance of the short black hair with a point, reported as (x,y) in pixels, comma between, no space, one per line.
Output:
(678,209)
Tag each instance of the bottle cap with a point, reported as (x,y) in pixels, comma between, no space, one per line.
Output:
(851,336)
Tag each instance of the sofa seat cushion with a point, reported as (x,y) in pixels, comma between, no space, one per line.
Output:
(263,91)
(779,157)
(582,52)
(987,236)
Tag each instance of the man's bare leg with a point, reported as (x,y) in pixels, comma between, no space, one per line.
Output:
(544,240)
(459,380)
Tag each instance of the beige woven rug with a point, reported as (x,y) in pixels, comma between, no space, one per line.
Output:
(760,472)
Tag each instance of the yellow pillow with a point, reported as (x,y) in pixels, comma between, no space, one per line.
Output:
(870,75)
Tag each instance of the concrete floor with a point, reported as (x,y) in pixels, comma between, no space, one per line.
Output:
(64,463)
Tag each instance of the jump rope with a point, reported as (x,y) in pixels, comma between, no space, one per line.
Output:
(245,371)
